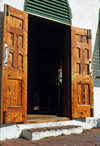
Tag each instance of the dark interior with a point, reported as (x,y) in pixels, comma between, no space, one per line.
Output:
(45,49)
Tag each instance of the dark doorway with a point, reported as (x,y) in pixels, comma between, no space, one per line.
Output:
(45,49)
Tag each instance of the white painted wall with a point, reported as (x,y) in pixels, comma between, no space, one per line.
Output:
(97,101)
(18,4)
(85,14)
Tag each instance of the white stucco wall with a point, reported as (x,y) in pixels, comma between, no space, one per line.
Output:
(85,14)
(18,4)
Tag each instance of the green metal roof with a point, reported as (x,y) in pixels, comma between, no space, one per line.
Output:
(54,9)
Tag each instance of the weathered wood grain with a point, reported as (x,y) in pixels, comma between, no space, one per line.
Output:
(14,75)
(81,78)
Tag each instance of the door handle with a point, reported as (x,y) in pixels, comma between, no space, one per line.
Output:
(90,67)
(6,55)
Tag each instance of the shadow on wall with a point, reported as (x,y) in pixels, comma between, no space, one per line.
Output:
(96,58)
(98,123)
(1,37)
(1,31)
(1,40)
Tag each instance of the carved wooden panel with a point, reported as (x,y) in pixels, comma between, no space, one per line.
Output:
(83,94)
(14,92)
(86,53)
(78,68)
(11,59)
(20,61)
(82,60)
(11,38)
(20,41)
(16,22)
(16,55)
(78,52)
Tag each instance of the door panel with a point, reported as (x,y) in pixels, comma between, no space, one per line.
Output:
(82,77)
(14,66)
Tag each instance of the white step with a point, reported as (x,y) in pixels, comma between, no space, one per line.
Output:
(44,132)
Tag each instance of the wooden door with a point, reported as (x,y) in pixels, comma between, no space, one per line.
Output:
(14,66)
(81,73)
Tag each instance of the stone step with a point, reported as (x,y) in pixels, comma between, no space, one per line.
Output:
(40,133)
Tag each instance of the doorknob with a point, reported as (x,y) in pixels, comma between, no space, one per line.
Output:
(6,54)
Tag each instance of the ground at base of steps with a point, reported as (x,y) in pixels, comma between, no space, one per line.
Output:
(87,138)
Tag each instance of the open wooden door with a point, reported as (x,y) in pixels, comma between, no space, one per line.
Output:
(14,66)
(81,73)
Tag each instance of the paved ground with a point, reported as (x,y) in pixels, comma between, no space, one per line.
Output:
(87,138)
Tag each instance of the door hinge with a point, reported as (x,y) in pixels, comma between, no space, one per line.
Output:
(7,10)
(92,112)
(89,35)
(4,117)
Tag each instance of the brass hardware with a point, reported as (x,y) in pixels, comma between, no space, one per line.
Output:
(90,67)
(6,55)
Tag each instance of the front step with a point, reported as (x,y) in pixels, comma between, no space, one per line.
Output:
(46,119)
(39,133)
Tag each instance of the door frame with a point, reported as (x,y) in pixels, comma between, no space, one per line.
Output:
(67,109)
(63,88)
